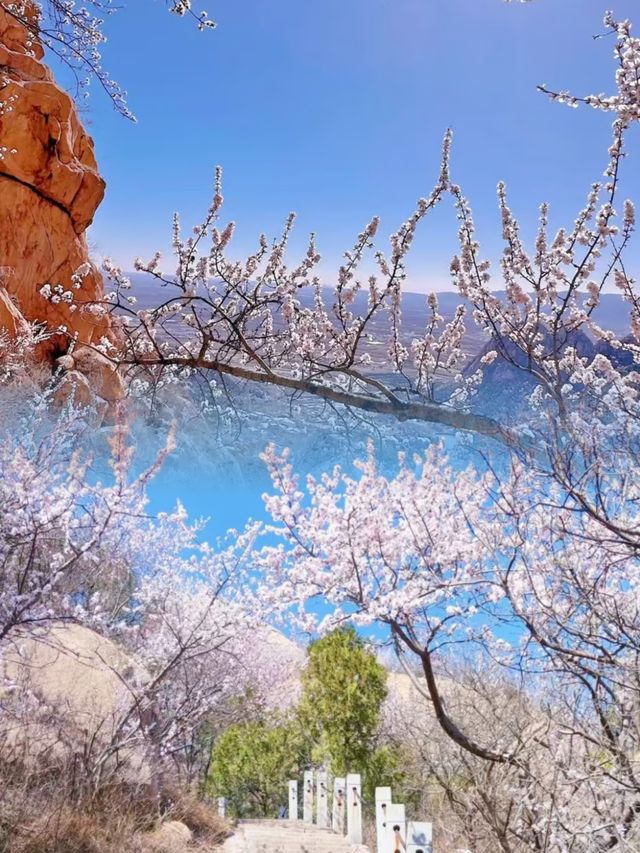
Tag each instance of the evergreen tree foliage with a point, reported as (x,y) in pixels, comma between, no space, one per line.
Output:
(251,764)
(343,688)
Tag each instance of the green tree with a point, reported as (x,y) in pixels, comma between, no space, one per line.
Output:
(389,765)
(343,688)
(251,764)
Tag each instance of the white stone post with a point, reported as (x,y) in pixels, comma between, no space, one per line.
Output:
(383,801)
(307,797)
(338,808)
(393,829)
(419,837)
(293,799)
(222,806)
(354,808)
(322,802)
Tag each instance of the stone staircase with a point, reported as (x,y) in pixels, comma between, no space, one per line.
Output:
(287,836)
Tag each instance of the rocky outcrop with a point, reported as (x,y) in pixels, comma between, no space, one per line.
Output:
(49,192)
(171,837)
(85,686)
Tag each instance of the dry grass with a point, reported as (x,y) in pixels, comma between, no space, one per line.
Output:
(44,813)
(56,800)
(67,830)
(207,827)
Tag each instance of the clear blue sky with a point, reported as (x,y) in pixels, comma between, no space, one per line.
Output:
(336,110)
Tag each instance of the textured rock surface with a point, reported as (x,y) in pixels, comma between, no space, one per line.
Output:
(170,837)
(86,678)
(49,191)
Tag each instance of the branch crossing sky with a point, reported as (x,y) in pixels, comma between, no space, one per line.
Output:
(337,109)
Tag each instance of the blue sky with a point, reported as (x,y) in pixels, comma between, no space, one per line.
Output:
(336,110)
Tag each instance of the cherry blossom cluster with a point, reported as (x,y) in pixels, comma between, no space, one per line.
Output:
(262,320)
(626,102)
(74,32)
(354,542)
(79,548)
(184,7)
(527,561)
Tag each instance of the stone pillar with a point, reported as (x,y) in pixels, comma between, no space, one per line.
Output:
(383,801)
(419,837)
(322,802)
(307,797)
(338,809)
(394,829)
(354,808)
(293,799)
(222,806)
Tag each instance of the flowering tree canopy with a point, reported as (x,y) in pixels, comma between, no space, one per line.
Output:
(528,561)
(76,548)
(265,321)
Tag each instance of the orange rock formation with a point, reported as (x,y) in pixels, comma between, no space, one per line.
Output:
(49,192)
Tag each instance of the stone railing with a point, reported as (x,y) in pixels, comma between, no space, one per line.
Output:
(345,815)
(394,833)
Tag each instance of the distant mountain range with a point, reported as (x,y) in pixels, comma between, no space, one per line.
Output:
(505,385)
(612,312)
(501,379)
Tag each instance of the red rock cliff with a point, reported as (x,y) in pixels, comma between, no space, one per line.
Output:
(49,192)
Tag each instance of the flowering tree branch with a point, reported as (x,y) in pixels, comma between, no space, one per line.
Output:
(532,563)
(264,321)
(74,33)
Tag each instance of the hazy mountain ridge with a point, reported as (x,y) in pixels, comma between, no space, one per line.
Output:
(612,313)
(506,382)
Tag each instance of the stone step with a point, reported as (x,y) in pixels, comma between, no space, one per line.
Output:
(283,836)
